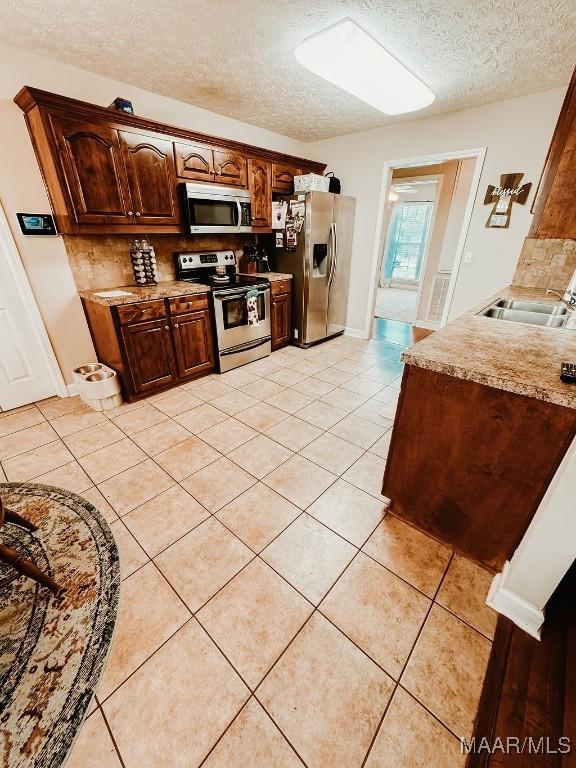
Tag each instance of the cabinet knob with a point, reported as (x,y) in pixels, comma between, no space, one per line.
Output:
(130,213)
(167,327)
(137,213)
(176,325)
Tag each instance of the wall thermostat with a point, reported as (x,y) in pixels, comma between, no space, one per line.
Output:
(36,224)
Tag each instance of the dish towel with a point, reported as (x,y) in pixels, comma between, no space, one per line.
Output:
(252,307)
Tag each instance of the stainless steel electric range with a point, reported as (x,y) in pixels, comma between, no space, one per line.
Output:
(238,341)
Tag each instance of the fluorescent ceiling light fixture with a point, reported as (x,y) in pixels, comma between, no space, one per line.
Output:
(348,57)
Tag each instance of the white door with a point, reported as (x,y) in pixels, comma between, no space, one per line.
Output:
(28,368)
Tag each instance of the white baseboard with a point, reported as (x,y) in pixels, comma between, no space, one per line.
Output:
(355,333)
(72,389)
(516,608)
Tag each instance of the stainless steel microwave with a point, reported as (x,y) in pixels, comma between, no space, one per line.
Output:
(212,208)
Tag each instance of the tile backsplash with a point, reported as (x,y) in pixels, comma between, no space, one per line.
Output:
(546,264)
(104,262)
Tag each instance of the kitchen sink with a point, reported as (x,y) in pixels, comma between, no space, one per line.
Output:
(523,316)
(533,306)
(548,315)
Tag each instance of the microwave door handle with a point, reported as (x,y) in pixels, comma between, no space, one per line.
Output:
(238,213)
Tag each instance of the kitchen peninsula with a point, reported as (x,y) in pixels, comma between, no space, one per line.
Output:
(482,424)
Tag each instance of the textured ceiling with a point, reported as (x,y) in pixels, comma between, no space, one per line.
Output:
(235,57)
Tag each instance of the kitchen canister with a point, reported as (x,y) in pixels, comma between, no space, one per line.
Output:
(144,264)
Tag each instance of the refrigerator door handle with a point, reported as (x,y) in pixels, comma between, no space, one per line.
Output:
(334,259)
(330,256)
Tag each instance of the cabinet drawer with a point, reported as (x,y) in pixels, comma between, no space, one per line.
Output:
(146,310)
(280,286)
(188,303)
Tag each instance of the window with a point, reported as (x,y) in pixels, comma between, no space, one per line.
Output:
(407,242)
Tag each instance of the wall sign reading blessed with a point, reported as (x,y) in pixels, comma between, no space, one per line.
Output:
(502,198)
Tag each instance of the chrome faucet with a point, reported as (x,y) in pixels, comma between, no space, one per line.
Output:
(570,303)
(568,298)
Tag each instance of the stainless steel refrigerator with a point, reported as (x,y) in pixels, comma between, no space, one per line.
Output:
(320,264)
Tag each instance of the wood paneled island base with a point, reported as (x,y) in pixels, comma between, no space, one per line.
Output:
(469,464)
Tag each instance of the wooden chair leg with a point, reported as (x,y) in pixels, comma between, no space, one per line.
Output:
(27,568)
(16,519)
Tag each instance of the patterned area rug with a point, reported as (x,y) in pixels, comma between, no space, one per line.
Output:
(52,650)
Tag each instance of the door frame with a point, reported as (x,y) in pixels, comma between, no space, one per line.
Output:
(9,252)
(384,218)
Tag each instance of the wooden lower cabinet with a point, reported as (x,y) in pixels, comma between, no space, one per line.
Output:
(281,313)
(469,464)
(193,343)
(150,355)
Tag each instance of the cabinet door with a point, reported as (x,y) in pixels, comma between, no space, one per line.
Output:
(193,343)
(91,158)
(280,320)
(149,355)
(260,183)
(229,168)
(283,178)
(194,162)
(152,178)
(554,206)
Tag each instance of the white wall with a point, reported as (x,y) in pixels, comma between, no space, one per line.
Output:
(458,205)
(22,189)
(516,133)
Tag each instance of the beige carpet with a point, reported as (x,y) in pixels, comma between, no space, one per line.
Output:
(396,304)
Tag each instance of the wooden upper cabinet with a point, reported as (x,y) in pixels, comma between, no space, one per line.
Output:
(109,172)
(151,177)
(554,205)
(229,168)
(283,178)
(93,167)
(260,185)
(194,162)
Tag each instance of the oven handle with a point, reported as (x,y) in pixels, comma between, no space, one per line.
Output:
(233,294)
(244,347)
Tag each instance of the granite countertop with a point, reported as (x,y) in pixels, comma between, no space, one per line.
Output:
(164,290)
(519,358)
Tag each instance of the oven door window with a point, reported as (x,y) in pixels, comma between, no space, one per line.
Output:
(213,213)
(235,312)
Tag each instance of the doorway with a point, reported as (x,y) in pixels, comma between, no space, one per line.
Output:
(426,206)
(405,250)
(28,367)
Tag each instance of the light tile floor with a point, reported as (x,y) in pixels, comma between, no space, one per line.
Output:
(272,614)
